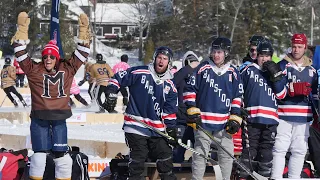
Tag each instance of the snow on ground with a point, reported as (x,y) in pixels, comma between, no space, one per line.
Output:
(98,132)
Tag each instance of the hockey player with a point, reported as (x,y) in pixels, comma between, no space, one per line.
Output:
(101,72)
(153,100)
(213,97)
(252,50)
(87,77)
(75,90)
(8,81)
(295,110)
(122,66)
(50,82)
(189,61)
(261,91)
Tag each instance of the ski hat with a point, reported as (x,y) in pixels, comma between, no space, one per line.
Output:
(300,39)
(124,58)
(51,49)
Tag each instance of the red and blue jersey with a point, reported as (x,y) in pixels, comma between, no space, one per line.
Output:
(216,91)
(298,108)
(260,95)
(152,100)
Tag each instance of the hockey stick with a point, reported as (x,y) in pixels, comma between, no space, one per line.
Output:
(245,127)
(253,174)
(214,163)
(3,100)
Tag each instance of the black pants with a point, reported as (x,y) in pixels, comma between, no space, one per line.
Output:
(314,147)
(125,95)
(80,99)
(13,90)
(20,80)
(261,141)
(155,148)
(90,86)
(102,89)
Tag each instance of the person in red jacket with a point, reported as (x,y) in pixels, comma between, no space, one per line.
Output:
(20,74)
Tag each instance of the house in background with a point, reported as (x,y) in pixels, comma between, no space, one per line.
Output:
(116,20)
(72,13)
(116,23)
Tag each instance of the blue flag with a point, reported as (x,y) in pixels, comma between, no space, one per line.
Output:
(54,25)
(316,65)
(316,58)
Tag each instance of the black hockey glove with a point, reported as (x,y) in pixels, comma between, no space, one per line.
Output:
(273,70)
(172,132)
(194,118)
(244,113)
(111,102)
(81,82)
(234,124)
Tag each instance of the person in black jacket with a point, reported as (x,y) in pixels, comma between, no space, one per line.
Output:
(189,61)
(252,50)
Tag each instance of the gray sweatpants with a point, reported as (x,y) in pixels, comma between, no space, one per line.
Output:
(202,145)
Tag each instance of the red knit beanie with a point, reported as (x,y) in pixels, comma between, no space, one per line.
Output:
(51,49)
(300,39)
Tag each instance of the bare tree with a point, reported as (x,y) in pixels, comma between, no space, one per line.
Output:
(237,7)
(142,17)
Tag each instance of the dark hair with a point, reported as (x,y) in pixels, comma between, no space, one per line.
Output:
(174,67)
(124,58)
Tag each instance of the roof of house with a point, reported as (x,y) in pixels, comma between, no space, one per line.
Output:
(73,7)
(106,13)
(110,13)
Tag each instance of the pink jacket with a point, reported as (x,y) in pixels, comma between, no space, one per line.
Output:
(74,87)
(121,66)
(17,66)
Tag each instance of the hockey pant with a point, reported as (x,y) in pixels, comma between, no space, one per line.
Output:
(13,90)
(314,147)
(102,89)
(202,145)
(261,141)
(293,137)
(90,90)
(155,148)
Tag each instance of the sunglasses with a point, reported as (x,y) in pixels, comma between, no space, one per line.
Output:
(50,56)
(253,50)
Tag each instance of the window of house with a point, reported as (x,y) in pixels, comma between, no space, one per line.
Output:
(46,10)
(75,29)
(116,30)
(99,31)
(44,27)
(131,29)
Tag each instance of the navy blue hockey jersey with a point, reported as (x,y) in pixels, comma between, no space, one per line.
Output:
(298,108)
(260,95)
(216,92)
(152,100)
